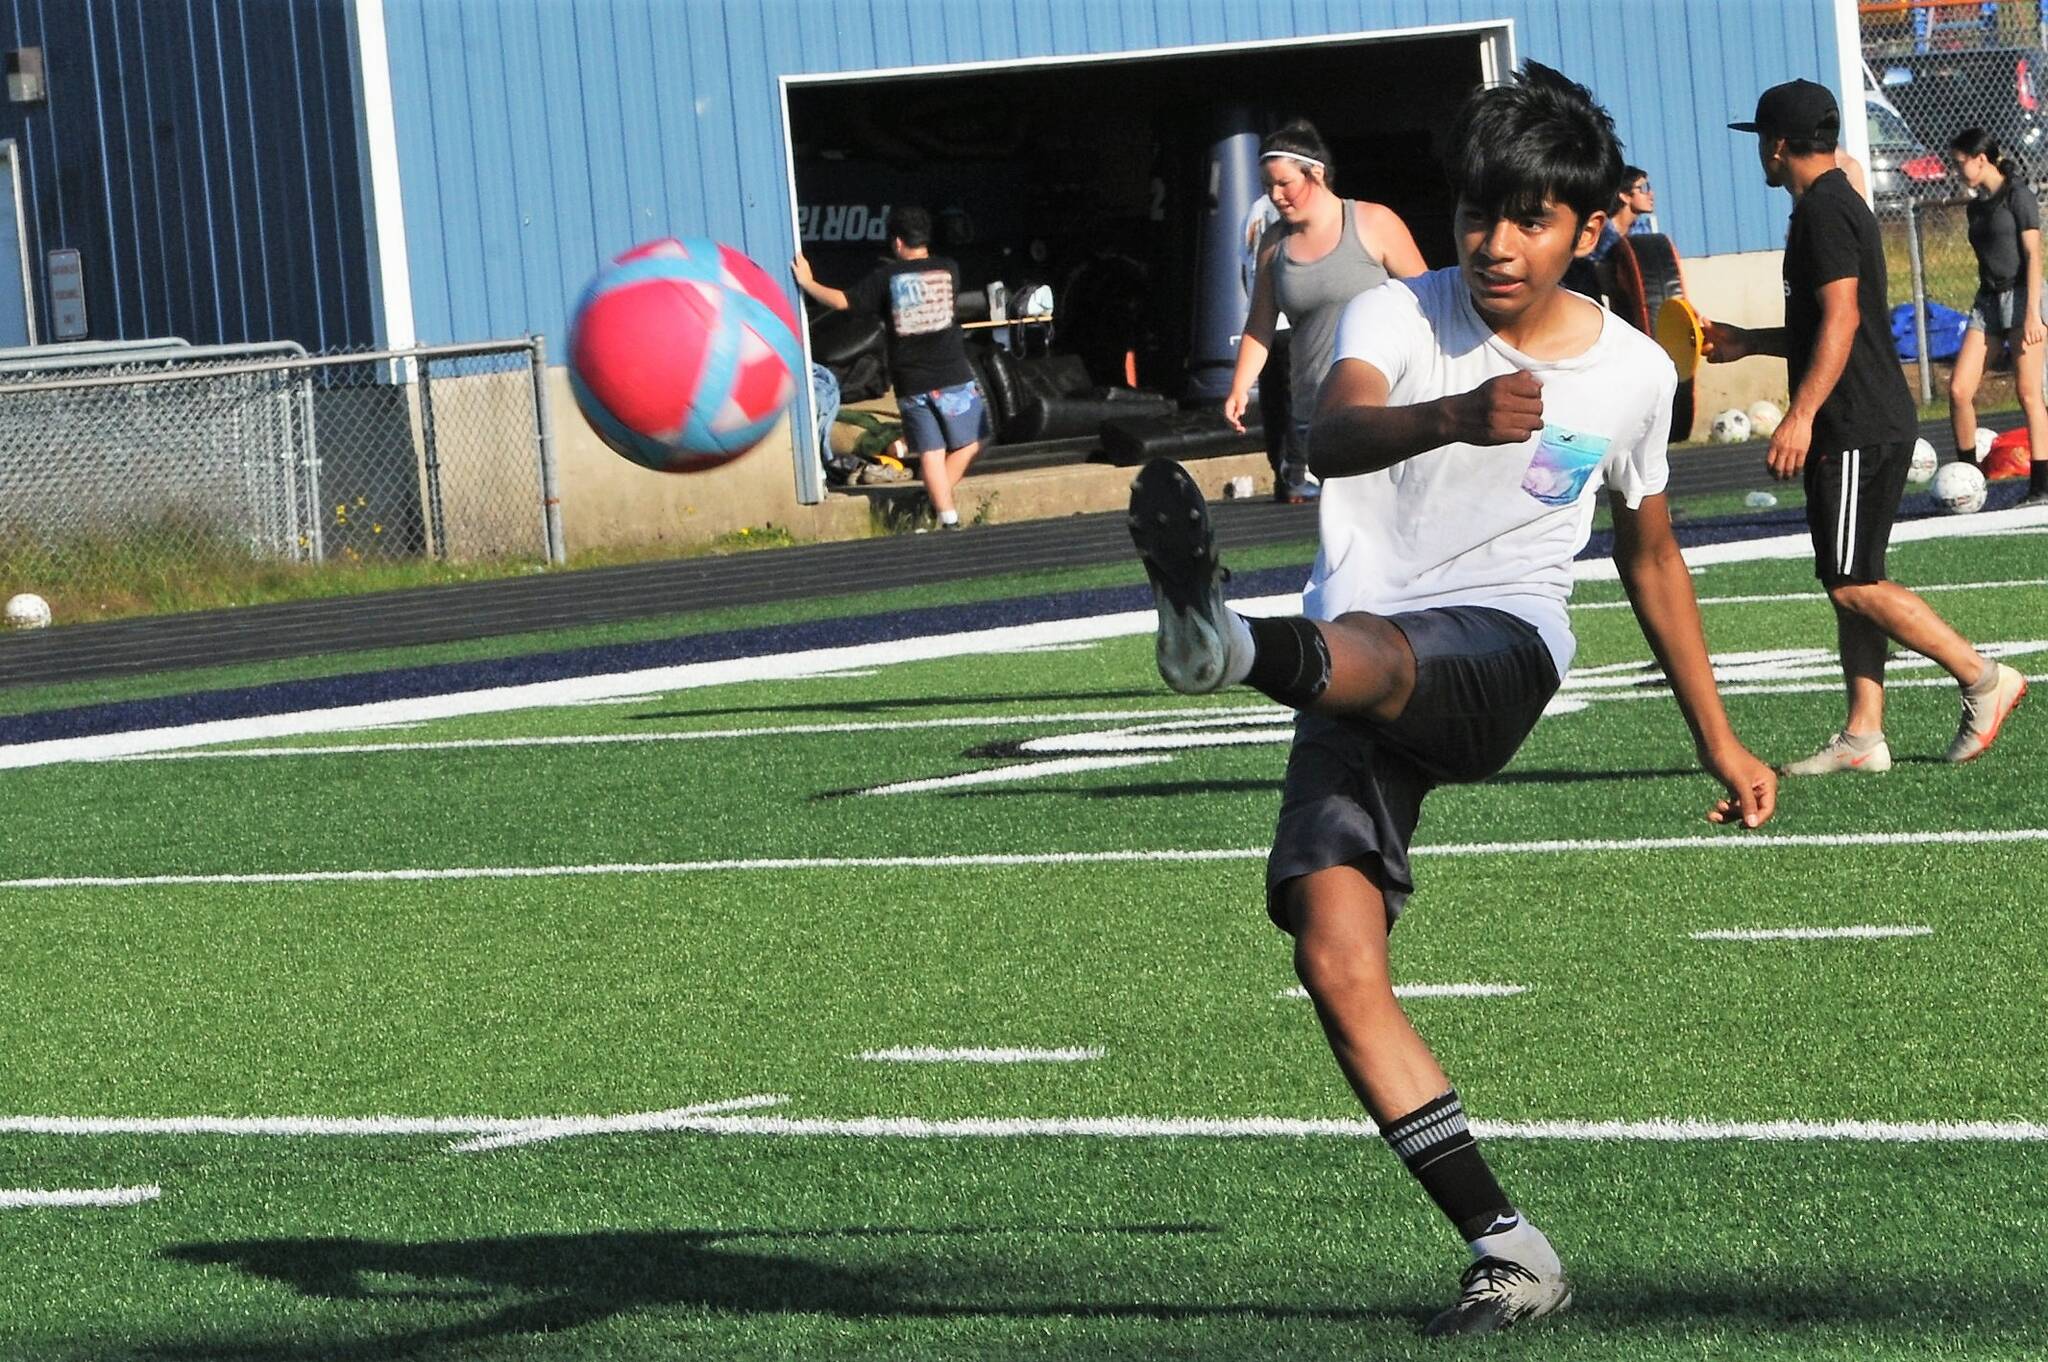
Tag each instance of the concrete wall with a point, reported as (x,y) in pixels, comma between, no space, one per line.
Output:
(610,502)
(1745,290)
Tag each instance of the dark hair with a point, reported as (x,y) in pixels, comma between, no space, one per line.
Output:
(1629,175)
(1977,142)
(1811,146)
(1538,137)
(910,224)
(1298,137)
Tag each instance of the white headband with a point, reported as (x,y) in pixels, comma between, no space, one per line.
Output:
(1295,156)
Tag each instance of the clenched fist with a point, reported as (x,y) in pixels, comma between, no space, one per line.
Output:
(1501,411)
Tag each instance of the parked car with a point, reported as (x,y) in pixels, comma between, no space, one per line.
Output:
(1993,88)
(1902,169)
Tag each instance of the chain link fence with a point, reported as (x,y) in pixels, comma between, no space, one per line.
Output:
(1932,70)
(125,462)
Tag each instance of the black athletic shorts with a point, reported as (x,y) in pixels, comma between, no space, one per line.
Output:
(1354,787)
(1851,497)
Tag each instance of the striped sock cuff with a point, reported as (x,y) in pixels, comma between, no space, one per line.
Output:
(1438,1122)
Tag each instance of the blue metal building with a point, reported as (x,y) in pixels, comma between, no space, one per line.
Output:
(343,172)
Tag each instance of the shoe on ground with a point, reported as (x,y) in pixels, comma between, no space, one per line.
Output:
(1497,1293)
(2035,499)
(1984,716)
(1170,527)
(1838,755)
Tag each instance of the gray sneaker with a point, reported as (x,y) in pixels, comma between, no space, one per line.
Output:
(1984,715)
(1843,753)
(1495,1293)
(1170,527)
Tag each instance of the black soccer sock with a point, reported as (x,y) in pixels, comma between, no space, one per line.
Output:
(1439,1150)
(2037,477)
(1290,660)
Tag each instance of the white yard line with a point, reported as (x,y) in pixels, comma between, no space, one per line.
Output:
(1005,775)
(1811,596)
(24,1198)
(788,666)
(1727,841)
(1661,1129)
(562,1128)
(1228,714)
(928,1054)
(1668,1129)
(1812,933)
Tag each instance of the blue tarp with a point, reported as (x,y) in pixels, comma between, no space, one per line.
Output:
(1945,328)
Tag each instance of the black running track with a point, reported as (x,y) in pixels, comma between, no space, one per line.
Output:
(519,605)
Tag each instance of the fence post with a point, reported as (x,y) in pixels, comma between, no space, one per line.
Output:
(1919,302)
(550,485)
(435,526)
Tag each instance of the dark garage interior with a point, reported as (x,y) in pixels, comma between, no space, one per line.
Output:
(1116,185)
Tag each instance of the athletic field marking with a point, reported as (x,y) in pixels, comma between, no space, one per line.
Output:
(1230,714)
(79,1196)
(927,1054)
(1821,596)
(1662,1129)
(562,1128)
(1776,672)
(1004,775)
(1811,933)
(1728,841)
(789,666)
(1435,991)
(1985,524)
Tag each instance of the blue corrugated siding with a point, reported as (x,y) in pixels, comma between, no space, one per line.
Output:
(201,157)
(539,137)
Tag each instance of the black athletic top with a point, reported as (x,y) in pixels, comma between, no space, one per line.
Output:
(1995,226)
(915,299)
(1834,236)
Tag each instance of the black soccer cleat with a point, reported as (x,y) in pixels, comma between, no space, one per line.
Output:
(1170,526)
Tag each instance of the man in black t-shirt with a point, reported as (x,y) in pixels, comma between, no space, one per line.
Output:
(945,418)
(1849,431)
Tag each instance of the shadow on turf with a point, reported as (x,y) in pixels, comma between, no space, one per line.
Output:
(1172,789)
(546,1283)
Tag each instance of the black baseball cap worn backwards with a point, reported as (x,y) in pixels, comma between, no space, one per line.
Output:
(1798,110)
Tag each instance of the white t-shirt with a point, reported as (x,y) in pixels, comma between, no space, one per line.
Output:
(1493,525)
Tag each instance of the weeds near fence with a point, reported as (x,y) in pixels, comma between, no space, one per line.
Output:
(174,564)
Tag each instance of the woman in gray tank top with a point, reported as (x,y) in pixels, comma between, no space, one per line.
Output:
(1323,252)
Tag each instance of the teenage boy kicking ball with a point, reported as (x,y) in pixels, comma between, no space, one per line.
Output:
(1462,432)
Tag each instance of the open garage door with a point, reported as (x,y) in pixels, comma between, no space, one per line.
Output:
(1111,182)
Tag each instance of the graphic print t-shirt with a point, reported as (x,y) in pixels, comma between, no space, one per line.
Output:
(915,299)
(1492,525)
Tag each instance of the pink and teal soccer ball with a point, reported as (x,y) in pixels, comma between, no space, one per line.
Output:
(683,354)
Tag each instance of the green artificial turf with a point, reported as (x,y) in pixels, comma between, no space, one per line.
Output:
(603,985)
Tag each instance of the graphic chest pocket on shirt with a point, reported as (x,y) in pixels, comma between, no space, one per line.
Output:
(1563,463)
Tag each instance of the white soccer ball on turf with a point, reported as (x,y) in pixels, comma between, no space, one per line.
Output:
(27,611)
(1984,439)
(1958,489)
(1924,462)
(1764,417)
(1730,427)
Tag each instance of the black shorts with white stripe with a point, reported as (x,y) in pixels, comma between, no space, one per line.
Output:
(1851,497)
